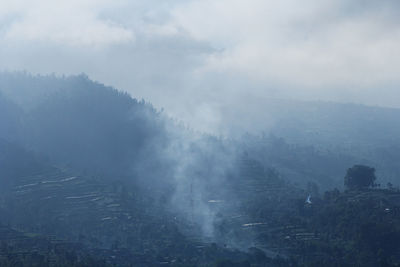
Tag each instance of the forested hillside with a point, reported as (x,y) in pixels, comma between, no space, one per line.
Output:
(117,182)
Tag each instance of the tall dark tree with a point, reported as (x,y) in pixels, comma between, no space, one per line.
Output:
(360,177)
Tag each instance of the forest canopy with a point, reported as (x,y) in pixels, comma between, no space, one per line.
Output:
(359,177)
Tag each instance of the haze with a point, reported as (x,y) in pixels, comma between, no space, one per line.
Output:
(218,133)
(201,59)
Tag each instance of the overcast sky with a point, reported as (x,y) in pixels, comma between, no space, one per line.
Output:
(199,58)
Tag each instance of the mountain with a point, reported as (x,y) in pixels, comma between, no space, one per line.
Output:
(88,165)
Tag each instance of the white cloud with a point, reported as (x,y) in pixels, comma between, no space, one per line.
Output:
(70,22)
(200,59)
(305,44)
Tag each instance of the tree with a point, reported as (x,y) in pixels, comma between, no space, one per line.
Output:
(360,177)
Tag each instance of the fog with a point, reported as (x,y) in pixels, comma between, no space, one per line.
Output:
(199,133)
(200,70)
(172,171)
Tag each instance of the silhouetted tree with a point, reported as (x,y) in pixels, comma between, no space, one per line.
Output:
(359,177)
